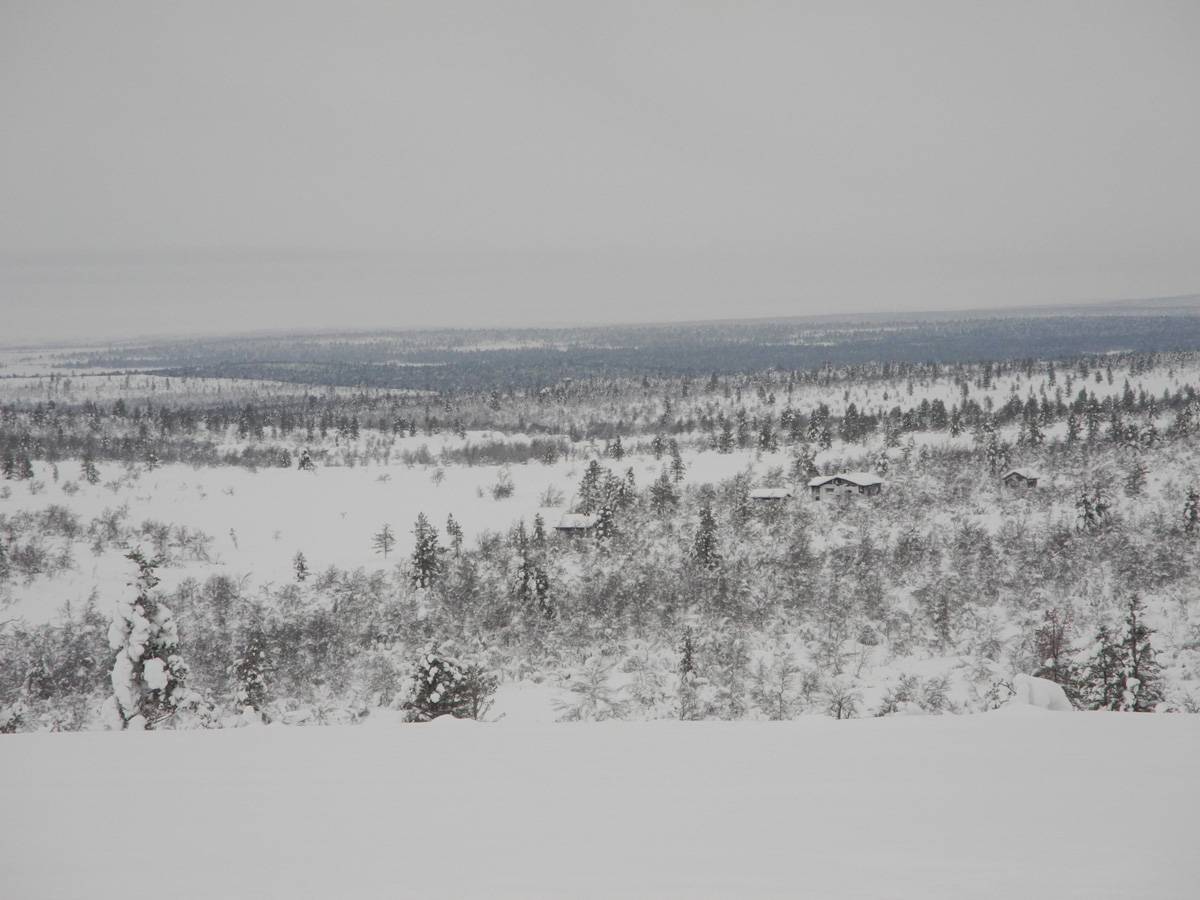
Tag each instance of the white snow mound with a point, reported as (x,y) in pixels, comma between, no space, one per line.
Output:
(446,719)
(1039,692)
(155,674)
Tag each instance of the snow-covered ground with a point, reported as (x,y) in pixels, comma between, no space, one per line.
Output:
(1016,803)
(259,520)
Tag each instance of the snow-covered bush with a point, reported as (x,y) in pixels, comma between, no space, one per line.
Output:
(841,699)
(776,685)
(594,697)
(12,718)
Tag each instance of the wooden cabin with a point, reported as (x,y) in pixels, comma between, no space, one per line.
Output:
(576,524)
(1021,478)
(775,494)
(829,487)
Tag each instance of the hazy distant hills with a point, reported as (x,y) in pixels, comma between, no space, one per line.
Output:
(487,359)
(1185,305)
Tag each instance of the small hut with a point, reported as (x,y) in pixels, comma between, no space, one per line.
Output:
(769,494)
(576,524)
(845,484)
(1021,478)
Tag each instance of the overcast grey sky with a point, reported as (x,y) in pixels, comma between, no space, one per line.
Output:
(226,166)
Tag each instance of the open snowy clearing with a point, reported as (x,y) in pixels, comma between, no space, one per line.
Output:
(258,520)
(1016,803)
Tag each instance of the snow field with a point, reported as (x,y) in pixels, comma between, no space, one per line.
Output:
(1016,803)
(329,515)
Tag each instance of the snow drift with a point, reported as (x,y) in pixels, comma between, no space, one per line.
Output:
(1039,692)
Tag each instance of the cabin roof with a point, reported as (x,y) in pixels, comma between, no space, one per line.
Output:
(572,521)
(771,493)
(1028,474)
(862,479)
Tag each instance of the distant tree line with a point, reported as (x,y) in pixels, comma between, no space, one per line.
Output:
(722,412)
(483,360)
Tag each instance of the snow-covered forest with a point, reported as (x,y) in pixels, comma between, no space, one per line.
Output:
(304,553)
(193,556)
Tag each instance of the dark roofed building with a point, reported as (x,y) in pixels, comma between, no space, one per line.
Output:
(1021,478)
(775,493)
(576,523)
(845,484)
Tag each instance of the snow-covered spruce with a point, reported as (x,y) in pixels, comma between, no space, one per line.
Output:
(442,685)
(249,673)
(148,676)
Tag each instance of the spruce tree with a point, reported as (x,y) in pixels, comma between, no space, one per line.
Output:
(663,494)
(1092,419)
(688,687)
(524,575)
(606,523)
(90,473)
(724,439)
(300,566)
(1072,428)
(1104,681)
(455,533)
(998,454)
(804,465)
(677,465)
(426,559)
(742,421)
(1135,481)
(767,441)
(250,670)
(442,685)
(541,591)
(148,675)
(1191,512)
(1142,673)
(531,584)
(626,491)
(704,544)
(1092,509)
(591,487)
(1036,436)
(1052,642)
(384,541)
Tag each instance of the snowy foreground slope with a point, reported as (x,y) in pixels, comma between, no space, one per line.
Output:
(1016,803)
